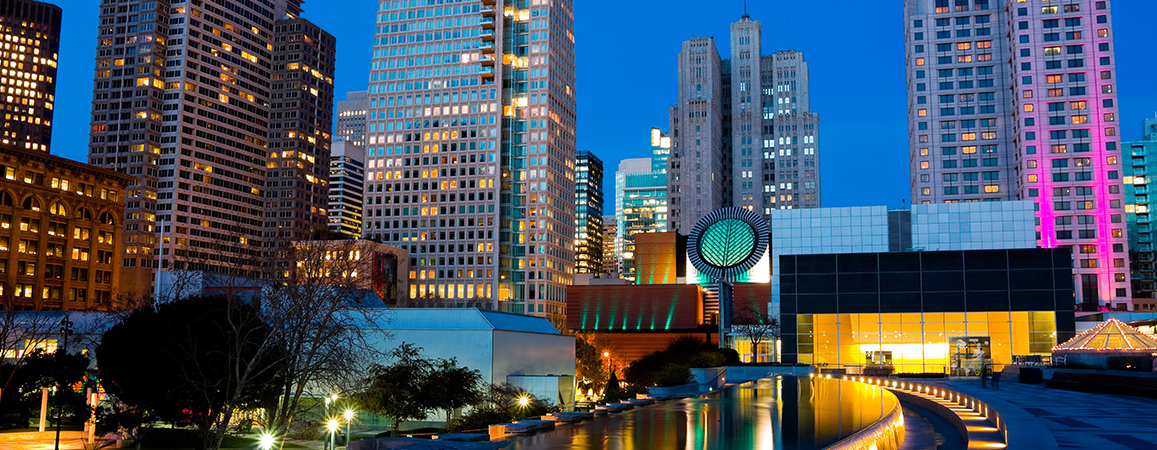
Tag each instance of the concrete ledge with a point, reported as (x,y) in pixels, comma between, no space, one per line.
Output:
(937,409)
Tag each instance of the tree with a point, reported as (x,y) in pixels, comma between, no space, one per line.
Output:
(589,367)
(314,297)
(38,370)
(322,323)
(21,334)
(757,327)
(450,386)
(395,391)
(184,362)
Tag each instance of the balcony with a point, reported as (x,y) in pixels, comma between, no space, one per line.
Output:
(487,23)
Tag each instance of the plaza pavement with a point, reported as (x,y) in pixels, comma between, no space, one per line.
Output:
(1043,418)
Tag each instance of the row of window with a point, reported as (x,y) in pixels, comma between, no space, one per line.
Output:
(952,163)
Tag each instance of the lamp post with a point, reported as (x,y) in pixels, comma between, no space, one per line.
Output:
(349,418)
(332,426)
(65,329)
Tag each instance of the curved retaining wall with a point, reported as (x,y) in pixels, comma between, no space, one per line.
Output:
(963,400)
(885,434)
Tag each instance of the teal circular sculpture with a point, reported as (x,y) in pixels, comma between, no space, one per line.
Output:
(727,242)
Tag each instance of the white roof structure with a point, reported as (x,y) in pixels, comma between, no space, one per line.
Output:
(465,319)
(1110,336)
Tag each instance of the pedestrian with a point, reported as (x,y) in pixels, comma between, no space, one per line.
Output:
(984,377)
(996,380)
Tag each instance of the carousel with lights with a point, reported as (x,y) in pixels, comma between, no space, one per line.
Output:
(1112,338)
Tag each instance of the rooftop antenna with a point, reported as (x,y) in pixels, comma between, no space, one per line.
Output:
(745,16)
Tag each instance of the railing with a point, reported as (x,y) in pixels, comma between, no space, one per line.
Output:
(1037,360)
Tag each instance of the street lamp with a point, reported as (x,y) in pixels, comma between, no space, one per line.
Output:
(65,329)
(266,441)
(332,426)
(349,418)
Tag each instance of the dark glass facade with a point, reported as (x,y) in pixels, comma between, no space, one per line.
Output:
(922,311)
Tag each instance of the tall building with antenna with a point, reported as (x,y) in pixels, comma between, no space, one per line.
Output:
(743,130)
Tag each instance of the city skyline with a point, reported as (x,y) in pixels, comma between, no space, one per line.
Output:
(653,74)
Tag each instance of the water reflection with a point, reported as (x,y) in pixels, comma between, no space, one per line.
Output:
(774,413)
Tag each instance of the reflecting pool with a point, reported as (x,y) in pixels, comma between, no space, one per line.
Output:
(773,413)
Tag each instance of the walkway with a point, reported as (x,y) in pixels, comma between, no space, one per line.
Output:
(1077,420)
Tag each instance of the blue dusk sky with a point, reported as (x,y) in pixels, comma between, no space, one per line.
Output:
(626,59)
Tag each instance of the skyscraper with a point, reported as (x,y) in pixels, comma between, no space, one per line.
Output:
(351,117)
(297,187)
(189,99)
(470,148)
(346,187)
(29,40)
(1057,145)
(641,202)
(743,130)
(610,230)
(1140,168)
(588,241)
(960,132)
(695,175)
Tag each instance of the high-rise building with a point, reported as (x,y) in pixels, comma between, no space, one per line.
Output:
(641,202)
(346,187)
(351,117)
(695,173)
(588,241)
(1015,101)
(610,230)
(470,149)
(297,186)
(1140,168)
(743,130)
(30,33)
(204,105)
(960,132)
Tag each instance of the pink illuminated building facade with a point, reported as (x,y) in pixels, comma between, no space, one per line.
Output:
(1050,135)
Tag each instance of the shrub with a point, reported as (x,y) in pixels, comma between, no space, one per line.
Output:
(706,359)
(673,375)
(628,392)
(478,419)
